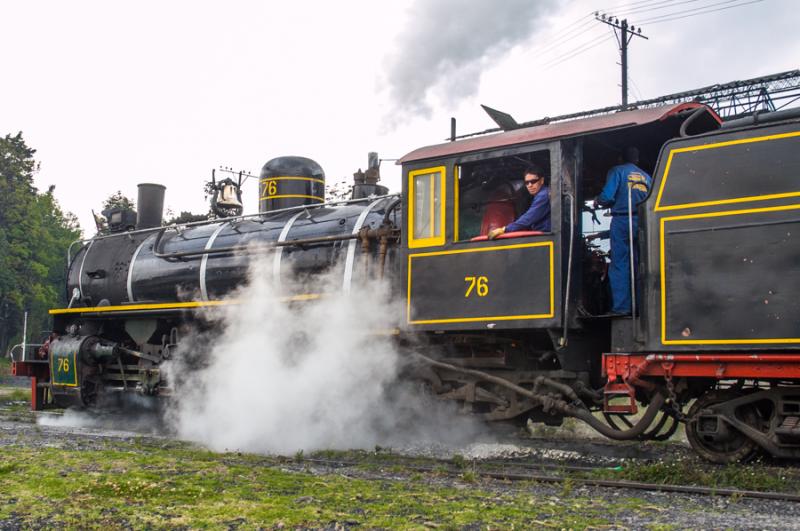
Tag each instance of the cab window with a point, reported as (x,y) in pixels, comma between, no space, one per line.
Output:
(492,193)
(426,221)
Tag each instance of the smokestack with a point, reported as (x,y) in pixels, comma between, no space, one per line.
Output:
(150,205)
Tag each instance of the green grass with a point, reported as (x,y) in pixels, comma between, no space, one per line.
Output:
(15,404)
(145,485)
(14,394)
(5,366)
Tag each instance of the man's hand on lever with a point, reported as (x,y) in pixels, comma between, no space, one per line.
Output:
(494,233)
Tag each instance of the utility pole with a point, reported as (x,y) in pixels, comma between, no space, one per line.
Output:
(624,34)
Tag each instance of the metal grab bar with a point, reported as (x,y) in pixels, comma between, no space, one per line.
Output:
(630,253)
(22,347)
(563,341)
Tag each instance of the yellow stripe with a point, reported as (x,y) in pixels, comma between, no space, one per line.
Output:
(740,141)
(553,280)
(456,213)
(476,319)
(730,341)
(663,286)
(732,212)
(292,195)
(433,209)
(664,340)
(172,305)
(729,201)
(493,318)
(408,293)
(484,249)
(265,179)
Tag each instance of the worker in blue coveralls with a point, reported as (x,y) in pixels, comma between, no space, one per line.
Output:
(537,217)
(620,179)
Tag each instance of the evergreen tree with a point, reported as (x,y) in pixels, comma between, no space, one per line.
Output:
(34,236)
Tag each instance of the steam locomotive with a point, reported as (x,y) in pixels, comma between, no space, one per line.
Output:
(517,328)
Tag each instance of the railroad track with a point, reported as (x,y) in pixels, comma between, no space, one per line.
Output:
(555,478)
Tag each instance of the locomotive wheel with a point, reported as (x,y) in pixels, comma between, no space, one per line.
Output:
(727,444)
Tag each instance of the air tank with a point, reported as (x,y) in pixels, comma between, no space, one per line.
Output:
(289,182)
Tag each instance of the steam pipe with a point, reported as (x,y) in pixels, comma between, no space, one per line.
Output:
(547,403)
(390,209)
(230,219)
(558,386)
(363,235)
(235,248)
(382,250)
(692,117)
(761,117)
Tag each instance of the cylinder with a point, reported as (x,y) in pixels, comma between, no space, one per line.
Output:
(290,181)
(150,205)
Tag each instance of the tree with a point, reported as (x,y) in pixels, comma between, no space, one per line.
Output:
(118,199)
(115,200)
(34,236)
(184,217)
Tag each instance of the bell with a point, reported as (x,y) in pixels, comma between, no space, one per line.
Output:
(228,197)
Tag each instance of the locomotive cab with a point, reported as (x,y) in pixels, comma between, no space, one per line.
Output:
(541,296)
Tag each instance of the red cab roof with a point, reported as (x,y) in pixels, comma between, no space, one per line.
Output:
(552,131)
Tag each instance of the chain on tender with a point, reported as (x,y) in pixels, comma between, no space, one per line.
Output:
(673,398)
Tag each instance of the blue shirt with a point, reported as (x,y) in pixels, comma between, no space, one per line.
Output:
(615,192)
(538,215)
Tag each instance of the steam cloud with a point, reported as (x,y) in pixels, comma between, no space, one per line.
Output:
(448,43)
(316,375)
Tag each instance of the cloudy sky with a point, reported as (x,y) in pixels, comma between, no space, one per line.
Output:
(112,94)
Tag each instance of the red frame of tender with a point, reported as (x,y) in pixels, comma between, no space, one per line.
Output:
(625,371)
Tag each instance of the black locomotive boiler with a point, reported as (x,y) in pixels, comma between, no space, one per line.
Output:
(517,328)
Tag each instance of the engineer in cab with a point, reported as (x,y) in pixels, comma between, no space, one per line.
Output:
(537,217)
(623,179)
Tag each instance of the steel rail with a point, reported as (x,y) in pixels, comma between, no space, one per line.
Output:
(609,483)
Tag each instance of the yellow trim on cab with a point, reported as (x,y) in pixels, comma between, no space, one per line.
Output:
(432,240)
(550,245)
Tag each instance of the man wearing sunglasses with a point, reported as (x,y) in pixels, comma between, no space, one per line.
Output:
(537,216)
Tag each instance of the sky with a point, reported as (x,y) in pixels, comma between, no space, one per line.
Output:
(112,94)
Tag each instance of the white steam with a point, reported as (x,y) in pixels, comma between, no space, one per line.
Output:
(319,374)
(448,43)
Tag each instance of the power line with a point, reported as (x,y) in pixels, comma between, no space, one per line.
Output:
(635,87)
(583,25)
(677,15)
(553,64)
(730,100)
(668,4)
(585,46)
(631,4)
(567,36)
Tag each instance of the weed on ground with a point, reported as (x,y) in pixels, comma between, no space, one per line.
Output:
(139,485)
